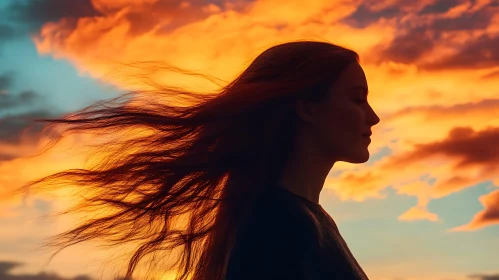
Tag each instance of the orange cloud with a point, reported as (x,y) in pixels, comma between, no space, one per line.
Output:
(437,111)
(418,213)
(486,217)
(218,43)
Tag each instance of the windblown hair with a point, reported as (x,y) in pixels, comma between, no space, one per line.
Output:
(208,160)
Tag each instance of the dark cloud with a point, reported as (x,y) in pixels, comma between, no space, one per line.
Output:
(6,267)
(440,6)
(409,47)
(177,15)
(468,21)
(484,277)
(363,16)
(9,100)
(483,52)
(421,30)
(7,157)
(27,17)
(469,146)
(38,12)
(491,214)
(14,127)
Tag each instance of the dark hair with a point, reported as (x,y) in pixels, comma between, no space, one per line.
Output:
(207,160)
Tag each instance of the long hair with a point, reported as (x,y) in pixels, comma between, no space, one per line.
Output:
(208,160)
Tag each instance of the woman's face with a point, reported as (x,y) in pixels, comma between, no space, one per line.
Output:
(338,124)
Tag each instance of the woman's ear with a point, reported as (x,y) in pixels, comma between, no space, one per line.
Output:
(306,110)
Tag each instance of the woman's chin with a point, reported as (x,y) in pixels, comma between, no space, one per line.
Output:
(360,157)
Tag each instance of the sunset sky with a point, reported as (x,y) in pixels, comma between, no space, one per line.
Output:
(426,204)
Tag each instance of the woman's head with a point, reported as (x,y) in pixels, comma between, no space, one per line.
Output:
(210,158)
(337,125)
(315,90)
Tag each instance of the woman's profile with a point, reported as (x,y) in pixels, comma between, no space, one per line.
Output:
(247,163)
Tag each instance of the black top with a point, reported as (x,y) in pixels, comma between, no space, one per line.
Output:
(290,237)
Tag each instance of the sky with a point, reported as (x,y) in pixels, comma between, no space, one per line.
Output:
(425,205)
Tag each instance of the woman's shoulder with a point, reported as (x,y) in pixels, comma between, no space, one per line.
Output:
(278,213)
(276,239)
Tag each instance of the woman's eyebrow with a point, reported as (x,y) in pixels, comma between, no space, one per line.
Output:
(364,89)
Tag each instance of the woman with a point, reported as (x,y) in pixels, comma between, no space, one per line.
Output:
(247,163)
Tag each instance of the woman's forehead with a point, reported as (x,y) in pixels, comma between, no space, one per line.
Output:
(353,75)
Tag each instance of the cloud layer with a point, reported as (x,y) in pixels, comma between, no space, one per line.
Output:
(431,66)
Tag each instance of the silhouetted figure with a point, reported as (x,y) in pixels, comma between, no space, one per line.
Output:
(287,234)
(247,162)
